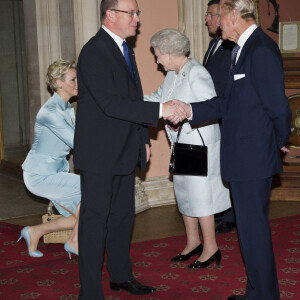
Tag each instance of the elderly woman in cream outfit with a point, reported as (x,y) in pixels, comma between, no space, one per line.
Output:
(198,198)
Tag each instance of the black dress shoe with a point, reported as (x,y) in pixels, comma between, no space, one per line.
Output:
(225,227)
(183,257)
(238,297)
(133,287)
(201,265)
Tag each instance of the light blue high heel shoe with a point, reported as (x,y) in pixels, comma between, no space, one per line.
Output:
(69,249)
(26,236)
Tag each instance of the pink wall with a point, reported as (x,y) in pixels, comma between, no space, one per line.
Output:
(289,11)
(156,15)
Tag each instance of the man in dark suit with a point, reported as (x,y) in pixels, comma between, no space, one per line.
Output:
(217,61)
(255,125)
(111,139)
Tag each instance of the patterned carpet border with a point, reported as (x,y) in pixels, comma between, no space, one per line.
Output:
(56,277)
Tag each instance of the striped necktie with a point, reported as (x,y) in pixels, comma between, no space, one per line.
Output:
(234,52)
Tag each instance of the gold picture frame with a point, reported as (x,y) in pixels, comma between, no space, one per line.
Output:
(289,41)
(256,4)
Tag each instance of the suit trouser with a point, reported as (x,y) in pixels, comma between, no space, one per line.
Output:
(105,221)
(226,216)
(251,203)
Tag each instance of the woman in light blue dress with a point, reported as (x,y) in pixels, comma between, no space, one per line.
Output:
(198,197)
(46,169)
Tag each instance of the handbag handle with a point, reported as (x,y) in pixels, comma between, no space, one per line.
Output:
(49,211)
(179,131)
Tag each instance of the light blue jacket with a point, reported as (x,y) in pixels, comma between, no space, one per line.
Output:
(53,138)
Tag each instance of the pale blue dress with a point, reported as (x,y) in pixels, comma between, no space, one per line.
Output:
(46,169)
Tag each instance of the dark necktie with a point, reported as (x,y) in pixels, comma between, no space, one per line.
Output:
(212,50)
(127,58)
(234,52)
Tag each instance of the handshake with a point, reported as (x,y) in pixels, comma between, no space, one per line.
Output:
(176,111)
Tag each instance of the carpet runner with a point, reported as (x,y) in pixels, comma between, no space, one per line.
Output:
(54,276)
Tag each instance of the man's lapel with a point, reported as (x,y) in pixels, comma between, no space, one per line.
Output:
(240,62)
(245,50)
(113,48)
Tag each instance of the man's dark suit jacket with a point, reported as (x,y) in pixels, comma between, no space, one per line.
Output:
(111,130)
(255,112)
(219,64)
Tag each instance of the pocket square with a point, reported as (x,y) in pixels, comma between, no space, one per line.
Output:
(238,76)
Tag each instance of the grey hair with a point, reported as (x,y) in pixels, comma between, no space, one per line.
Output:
(245,8)
(170,41)
(57,70)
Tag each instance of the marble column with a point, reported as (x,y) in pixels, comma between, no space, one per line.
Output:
(50,35)
(86,21)
(191,17)
(47,19)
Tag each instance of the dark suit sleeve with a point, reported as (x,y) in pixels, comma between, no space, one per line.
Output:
(146,137)
(268,79)
(206,111)
(108,84)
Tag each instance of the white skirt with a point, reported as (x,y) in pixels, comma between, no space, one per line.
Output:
(199,196)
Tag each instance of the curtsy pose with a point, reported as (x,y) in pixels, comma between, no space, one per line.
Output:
(45,169)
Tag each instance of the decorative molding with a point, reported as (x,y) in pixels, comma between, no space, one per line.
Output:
(153,192)
(286,185)
(291,67)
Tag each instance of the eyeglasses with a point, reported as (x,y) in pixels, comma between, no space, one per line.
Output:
(131,13)
(211,15)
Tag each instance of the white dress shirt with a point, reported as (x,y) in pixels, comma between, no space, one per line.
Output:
(119,41)
(243,39)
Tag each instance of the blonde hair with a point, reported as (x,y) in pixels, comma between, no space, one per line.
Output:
(57,70)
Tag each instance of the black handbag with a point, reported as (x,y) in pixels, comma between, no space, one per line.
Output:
(188,159)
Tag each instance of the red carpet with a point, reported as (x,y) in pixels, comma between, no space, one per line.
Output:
(56,277)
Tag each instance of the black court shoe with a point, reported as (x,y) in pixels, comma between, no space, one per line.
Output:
(133,287)
(201,265)
(183,257)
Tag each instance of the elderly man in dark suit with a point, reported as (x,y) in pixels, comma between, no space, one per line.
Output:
(217,61)
(111,139)
(256,125)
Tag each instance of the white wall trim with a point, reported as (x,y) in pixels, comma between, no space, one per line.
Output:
(153,192)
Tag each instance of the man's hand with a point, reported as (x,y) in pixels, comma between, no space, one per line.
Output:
(185,109)
(285,149)
(148,152)
(175,112)
(186,106)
